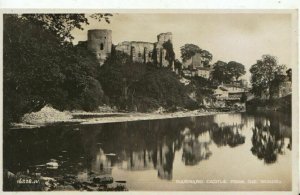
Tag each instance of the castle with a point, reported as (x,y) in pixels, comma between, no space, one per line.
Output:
(100,43)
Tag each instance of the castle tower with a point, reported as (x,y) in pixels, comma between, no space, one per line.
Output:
(100,43)
(161,52)
(164,37)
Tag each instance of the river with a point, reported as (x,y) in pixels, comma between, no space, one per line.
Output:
(208,153)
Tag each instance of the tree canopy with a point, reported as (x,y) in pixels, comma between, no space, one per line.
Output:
(39,69)
(223,72)
(263,74)
(61,25)
(170,54)
(236,69)
(189,50)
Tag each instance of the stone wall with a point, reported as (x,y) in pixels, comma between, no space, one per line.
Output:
(164,37)
(139,51)
(100,43)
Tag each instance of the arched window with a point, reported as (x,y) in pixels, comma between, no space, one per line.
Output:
(101,46)
(140,55)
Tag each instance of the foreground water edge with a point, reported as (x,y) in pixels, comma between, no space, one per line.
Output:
(212,152)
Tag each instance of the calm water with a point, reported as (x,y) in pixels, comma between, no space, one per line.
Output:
(161,154)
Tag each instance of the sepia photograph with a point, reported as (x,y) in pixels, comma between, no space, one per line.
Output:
(149,101)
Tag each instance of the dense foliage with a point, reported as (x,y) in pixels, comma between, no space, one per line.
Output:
(138,86)
(264,73)
(40,69)
(189,50)
(227,72)
(170,54)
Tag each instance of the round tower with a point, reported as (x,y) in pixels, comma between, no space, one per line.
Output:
(100,42)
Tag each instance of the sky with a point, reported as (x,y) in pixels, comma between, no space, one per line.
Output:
(240,37)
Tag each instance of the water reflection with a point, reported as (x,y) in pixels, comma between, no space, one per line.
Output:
(268,139)
(164,159)
(227,135)
(146,145)
(195,149)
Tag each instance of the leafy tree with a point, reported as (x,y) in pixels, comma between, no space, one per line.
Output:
(263,73)
(162,87)
(220,72)
(170,54)
(189,50)
(117,75)
(243,98)
(207,57)
(61,25)
(203,88)
(236,69)
(39,69)
(223,72)
(289,74)
(178,65)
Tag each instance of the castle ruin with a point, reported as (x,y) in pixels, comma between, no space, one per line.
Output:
(100,43)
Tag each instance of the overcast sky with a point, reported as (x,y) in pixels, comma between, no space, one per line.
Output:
(229,37)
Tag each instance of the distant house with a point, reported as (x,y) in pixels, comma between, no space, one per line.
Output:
(195,67)
(221,93)
(281,89)
(234,92)
(229,93)
(284,89)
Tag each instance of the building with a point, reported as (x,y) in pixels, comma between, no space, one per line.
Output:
(100,43)
(229,94)
(195,67)
(138,51)
(221,93)
(145,52)
(282,88)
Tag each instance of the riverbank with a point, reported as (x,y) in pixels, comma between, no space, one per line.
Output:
(49,116)
(145,116)
(283,104)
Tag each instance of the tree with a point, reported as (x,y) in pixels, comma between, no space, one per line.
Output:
(189,50)
(40,67)
(289,74)
(236,69)
(170,54)
(178,65)
(202,87)
(263,73)
(159,87)
(117,75)
(223,72)
(243,98)
(207,57)
(220,72)
(61,25)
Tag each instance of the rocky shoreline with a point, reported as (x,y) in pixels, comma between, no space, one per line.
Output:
(50,116)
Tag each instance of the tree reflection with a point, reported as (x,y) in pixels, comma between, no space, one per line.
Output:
(101,164)
(267,140)
(195,149)
(227,135)
(164,159)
